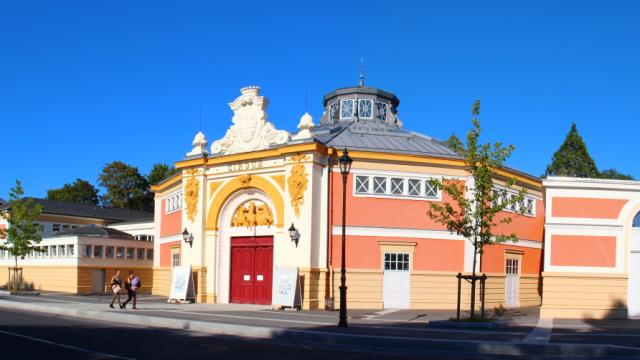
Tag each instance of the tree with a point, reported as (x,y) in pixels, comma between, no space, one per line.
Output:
(572,158)
(614,174)
(473,212)
(160,172)
(125,187)
(80,191)
(22,234)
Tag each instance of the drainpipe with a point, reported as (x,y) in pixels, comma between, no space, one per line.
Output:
(330,300)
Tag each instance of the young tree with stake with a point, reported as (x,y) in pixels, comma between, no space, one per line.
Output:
(473,211)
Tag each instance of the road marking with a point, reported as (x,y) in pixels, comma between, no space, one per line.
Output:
(541,334)
(380,313)
(65,345)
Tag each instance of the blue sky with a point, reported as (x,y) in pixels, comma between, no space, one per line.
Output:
(83,83)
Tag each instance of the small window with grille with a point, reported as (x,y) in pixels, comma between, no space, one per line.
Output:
(379,185)
(397,186)
(512,266)
(396,262)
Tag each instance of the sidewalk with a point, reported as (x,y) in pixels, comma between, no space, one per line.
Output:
(406,329)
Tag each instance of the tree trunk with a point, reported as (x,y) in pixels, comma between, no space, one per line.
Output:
(473,278)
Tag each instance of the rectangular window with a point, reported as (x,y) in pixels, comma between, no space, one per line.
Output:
(512,266)
(175,256)
(108,252)
(149,254)
(381,111)
(430,190)
(65,227)
(70,250)
(120,252)
(87,251)
(140,254)
(46,251)
(346,109)
(396,261)
(379,185)
(333,111)
(365,109)
(362,184)
(61,251)
(53,250)
(131,253)
(98,251)
(397,186)
(414,187)
(55,228)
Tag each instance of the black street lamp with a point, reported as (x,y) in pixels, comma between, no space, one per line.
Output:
(345,166)
(294,234)
(188,239)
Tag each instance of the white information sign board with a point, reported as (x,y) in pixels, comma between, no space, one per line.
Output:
(182,286)
(287,291)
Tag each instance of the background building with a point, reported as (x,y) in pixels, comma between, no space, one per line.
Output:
(79,252)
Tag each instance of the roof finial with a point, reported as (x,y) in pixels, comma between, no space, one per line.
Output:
(361,83)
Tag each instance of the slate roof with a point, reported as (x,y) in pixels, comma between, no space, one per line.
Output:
(88,211)
(94,230)
(377,137)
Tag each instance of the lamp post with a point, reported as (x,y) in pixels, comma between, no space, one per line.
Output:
(294,234)
(345,166)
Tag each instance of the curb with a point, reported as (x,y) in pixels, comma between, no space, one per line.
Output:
(341,339)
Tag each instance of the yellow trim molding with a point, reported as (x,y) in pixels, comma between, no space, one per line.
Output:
(244,182)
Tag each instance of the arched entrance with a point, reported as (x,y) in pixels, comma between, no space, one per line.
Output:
(245,248)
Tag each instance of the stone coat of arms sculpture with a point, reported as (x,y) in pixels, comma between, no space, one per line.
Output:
(250,130)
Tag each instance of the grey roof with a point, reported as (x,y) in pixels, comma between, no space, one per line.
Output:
(94,230)
(88,211)
(378,137)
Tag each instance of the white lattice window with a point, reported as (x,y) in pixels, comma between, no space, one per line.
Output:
(430,190)
(396,261)
(379,185)
(173,202)
(414,187)
(512,266)
(362,184)
(527,206)
(365,109)
(397,186)
(381,111)
(346,109)
(333,110)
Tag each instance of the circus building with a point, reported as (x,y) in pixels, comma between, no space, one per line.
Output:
(237,200)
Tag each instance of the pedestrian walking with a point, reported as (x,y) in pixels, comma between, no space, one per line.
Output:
(132,284)
(116,286)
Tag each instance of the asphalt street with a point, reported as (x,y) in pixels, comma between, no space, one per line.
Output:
(25,335)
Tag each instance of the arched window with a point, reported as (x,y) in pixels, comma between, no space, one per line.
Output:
(636,221)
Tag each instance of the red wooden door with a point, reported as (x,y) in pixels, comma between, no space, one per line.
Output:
(251,270)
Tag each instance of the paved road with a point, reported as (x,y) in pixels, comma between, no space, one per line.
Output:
(28,335)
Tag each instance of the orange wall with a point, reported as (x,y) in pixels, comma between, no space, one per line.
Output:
(587,208)
(582,250)
(363,252)
(525,227)
(170,224)
(493,259)
(165,253)
(381,212)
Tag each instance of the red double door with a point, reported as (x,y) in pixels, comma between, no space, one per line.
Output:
(251,269)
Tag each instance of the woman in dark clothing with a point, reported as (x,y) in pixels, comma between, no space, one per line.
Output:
(131,293)
(116,286)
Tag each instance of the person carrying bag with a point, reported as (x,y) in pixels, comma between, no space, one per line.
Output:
(116,286)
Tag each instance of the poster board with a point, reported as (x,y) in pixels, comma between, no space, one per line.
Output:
(287,291)
(182,286)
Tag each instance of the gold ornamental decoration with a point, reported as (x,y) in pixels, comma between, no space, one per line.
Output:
(252,215)
(245,180)
(297,182)
(191,190)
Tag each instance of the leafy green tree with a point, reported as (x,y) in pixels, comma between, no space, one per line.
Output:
(125,187)
(22,234)
(572,158)
(473,211)
(80,191)
(614,174)
(160,172)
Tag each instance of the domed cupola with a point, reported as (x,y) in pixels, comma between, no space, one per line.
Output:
(361,104)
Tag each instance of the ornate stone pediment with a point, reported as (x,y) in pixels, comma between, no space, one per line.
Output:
(250,130)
